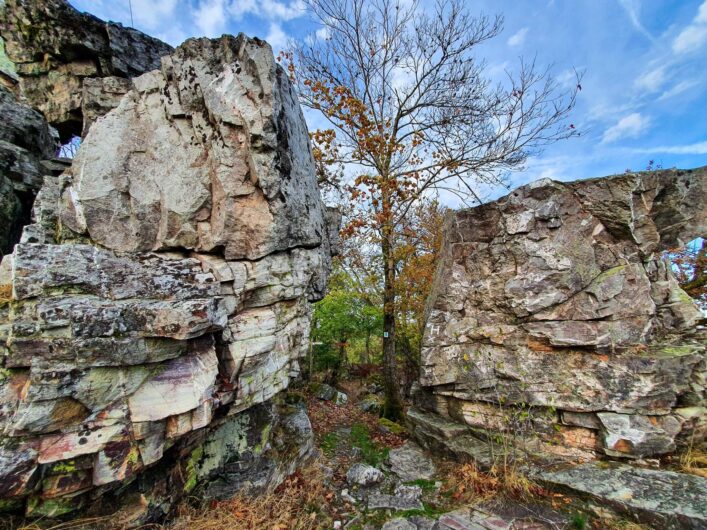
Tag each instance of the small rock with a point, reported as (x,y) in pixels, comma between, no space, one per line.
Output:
(393,502)
(364,475)
(413,523)
(341,398)
(409,462)
(399,524)
(371,403)
(347,498)
(409,492)
(329,393)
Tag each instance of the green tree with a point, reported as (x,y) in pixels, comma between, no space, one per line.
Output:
(342,316)
(412,111)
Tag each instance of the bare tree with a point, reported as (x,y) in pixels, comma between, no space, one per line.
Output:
(413,113)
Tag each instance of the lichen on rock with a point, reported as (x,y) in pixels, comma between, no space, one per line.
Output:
(160,302)
(556,321)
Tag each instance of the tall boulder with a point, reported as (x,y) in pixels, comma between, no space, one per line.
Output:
(556,321)
(159,305)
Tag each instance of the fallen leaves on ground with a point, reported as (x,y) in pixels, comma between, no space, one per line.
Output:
(294,505)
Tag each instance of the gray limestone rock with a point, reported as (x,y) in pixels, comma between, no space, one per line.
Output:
(25,141)
(557,297)
(329,393)
(662,498)
(161,300)
(409,462)
(398,503)
(63,50)
(221,123)
(363,475)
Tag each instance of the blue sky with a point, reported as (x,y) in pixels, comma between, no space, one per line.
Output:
(644,91)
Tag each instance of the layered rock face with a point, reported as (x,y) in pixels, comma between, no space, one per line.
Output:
(161,300)
(62,56)
(555,320)
(25,142)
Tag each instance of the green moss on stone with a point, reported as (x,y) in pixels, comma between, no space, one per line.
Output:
(671,351)
(608,273)
(192,470)
(64,467)
(393,427)
(264,437)
(11,505)
(38,507)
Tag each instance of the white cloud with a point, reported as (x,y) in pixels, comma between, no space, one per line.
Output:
(651,80)
(630,126)
(701,17)
(242,7)
(267,9)
(699,148)
(277,38)
(694,36)
(210,18)
(690,39)
(633,9)
(152,14)
(518,38)
(678,89)
(323,33)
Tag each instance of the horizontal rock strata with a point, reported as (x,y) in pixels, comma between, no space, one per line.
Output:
(159,303)
(555,319)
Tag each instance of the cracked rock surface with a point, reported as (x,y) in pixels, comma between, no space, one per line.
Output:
(557,297)
(59,52)
(159,304)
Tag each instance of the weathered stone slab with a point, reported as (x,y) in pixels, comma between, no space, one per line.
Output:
(180,386)
(663,498)
(207,162)
(409,462)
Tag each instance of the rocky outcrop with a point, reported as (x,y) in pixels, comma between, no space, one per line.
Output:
(555,320)
(72,68)
(663,499)
(158,305)
(56,50)
(25,142)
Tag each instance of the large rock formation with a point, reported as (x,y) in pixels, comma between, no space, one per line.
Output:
(556,322)
(160,302)
(72,68)
(60,56)
(25,141)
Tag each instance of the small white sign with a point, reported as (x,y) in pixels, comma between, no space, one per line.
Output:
(385,334)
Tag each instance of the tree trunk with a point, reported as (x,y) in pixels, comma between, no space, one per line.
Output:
(393,407)
(367,352)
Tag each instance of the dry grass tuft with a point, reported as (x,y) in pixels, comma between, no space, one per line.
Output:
(467,484)
(694,461)
(297,504)
(5,293)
